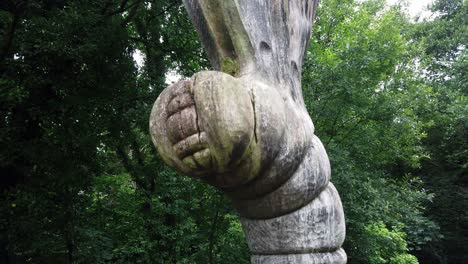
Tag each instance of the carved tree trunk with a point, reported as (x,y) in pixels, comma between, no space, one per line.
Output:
(248,132)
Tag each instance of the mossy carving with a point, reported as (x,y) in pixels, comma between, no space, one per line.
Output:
(245,130)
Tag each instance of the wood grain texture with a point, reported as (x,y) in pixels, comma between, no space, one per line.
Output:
(317,227)
(336,257)
(305,184)
(248,132)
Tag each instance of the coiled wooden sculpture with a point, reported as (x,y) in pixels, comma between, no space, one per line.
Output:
(245,129)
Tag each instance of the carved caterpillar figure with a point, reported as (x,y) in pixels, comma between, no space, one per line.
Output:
(250,134)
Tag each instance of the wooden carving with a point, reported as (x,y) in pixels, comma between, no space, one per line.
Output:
(244,128)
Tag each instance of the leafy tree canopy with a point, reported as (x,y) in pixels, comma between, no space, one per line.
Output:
(80,181)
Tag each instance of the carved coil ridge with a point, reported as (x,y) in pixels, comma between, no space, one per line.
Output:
(188,141)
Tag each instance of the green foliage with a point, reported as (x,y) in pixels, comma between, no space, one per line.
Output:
(81,182)
(362,91)
(444,60)
(185,229)
(387,246)
(370,197)
(230,66)
(356,84)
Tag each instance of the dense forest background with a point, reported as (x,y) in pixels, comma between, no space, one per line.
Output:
(80,181)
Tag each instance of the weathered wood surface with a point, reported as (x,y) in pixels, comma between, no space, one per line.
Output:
(250,134)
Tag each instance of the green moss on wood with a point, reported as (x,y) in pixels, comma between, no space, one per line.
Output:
(230,66)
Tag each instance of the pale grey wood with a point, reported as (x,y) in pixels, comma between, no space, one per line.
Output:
(246,130)
(317,227)
(337,257)
(305,183)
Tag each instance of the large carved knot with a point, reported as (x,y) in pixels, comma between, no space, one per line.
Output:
(244,136)
(205,127)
